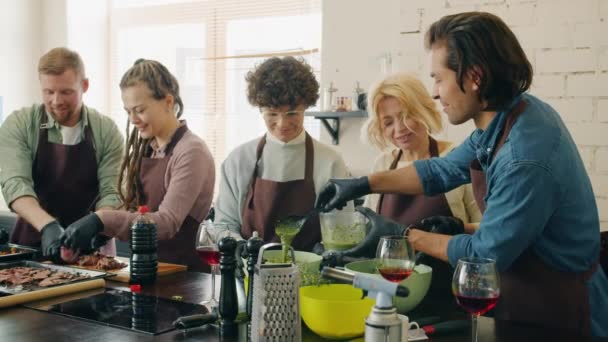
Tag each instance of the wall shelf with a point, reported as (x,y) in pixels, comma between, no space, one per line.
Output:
(331,121)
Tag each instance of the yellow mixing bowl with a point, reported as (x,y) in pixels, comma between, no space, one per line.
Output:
(334,311)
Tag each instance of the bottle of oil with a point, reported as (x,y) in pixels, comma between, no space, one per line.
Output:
(144,259)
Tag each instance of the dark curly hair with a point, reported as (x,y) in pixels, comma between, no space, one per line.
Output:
(282,81)
(484,41)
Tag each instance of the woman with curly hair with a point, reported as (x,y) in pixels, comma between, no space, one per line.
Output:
(280,173)
(165,166)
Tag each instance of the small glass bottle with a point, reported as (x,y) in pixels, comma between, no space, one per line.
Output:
(144,257)
(329,103)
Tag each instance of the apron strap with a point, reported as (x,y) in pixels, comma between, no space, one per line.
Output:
(310,158)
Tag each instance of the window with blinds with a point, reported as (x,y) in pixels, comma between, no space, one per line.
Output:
(210,45)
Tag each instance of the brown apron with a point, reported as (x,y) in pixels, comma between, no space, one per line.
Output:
(409,209)
(65,182)
(267,201)
(531,291)
(180,249)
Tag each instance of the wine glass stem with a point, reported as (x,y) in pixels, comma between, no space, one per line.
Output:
(474,327)
(213,272)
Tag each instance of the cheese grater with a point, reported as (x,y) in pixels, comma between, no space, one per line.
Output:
(276,301)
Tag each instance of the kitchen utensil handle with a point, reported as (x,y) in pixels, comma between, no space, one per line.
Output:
(447,327)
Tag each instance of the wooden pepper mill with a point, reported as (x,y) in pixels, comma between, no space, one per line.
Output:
(228,305)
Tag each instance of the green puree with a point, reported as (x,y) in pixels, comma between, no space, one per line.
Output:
(286,233)
(342,237)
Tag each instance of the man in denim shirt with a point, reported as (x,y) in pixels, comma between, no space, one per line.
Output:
(540,222)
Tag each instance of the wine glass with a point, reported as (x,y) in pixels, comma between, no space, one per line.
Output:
(207,238)
(395,257)
(476,287)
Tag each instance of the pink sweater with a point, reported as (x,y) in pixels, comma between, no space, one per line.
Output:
(189,181)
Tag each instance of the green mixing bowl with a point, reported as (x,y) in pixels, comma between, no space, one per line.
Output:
(418,283)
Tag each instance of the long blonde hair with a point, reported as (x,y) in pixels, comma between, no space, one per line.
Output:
(415,100)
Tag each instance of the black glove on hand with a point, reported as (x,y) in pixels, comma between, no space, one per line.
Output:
(337,192)
(448,225)
(4,237)
(377,227)
(50,242)
(99,241)
(318,248)
(80,234)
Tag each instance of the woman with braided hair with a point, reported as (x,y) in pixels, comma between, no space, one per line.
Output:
(165,166)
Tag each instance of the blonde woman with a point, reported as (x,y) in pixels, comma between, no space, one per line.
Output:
(401,122)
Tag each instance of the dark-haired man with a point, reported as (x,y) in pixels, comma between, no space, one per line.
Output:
(60,159)
(540,220)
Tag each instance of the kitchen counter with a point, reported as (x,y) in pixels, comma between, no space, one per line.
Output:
(23,324)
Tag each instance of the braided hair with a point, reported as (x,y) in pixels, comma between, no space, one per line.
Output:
(161,83)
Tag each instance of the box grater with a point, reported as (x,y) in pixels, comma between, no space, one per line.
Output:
(276,301)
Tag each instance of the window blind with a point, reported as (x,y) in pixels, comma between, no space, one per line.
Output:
(210,46)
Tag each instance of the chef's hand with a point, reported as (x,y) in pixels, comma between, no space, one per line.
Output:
(50,241)
(4,236)
(377,227)
(318,248)
(81,234)
(337,192)
(448,225)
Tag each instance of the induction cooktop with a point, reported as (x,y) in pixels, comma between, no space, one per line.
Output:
(126,310)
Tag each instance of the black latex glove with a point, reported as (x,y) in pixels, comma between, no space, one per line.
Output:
(448,225)
(4,237)
(50,241)
(99,241)
(80,234)
(337,192)
(377,227)
(318,248)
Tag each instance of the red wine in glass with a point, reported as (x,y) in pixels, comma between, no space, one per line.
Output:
(394,274)
(209,255)
(477,305)
(476,286)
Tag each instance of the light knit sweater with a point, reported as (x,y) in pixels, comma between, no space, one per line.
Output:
(188,180)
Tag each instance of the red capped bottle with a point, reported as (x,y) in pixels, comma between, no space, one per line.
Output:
(144,257)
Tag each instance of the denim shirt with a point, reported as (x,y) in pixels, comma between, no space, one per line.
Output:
(539,196)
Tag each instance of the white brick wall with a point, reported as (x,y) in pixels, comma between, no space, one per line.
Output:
(601,160)
(587,85)
(573,110)
(602,110)
(565,40)
(565,60)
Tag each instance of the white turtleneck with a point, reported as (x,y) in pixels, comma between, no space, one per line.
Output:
(280,162)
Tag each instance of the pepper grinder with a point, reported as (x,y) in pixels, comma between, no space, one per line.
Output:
(253,248)
(228,305)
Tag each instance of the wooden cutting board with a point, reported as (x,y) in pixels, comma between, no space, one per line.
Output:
(54,291)
(122,275)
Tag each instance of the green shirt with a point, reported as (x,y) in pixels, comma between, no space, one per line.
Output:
(19,140)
